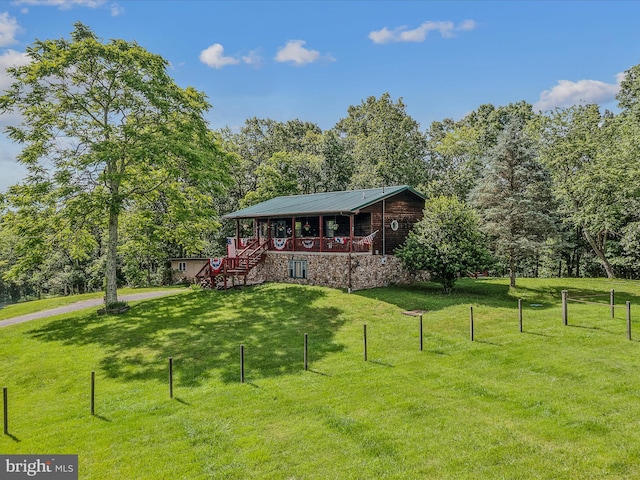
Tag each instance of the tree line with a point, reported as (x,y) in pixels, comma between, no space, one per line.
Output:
(123,174)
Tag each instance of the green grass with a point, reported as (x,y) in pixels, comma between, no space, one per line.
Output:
(554,402)
(24,308)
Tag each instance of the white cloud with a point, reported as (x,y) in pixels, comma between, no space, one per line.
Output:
(467,25)
(419,34)
(214,57)
(253,58)
(295,52)
(10,58)
(8,29)
(116,9)
(567,93)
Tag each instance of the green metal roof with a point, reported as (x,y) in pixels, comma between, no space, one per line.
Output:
(321,203)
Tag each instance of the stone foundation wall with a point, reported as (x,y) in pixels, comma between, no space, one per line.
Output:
(332,270)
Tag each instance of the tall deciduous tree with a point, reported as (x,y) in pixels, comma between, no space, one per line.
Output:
(384,142)
(577,144)
(104,124)
(447,241)
(627,153)
(456,149)
(514,197)
(285,174)
(257,142)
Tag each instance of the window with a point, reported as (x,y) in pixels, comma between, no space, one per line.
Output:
(182,266)
(297,269)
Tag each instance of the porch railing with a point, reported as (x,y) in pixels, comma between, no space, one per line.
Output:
(317,244)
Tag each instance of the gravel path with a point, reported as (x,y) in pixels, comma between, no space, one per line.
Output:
(96,302)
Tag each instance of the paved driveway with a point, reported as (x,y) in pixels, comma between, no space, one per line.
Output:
(96,302)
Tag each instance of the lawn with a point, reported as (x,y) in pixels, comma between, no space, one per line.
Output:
(552,402)
(24,308)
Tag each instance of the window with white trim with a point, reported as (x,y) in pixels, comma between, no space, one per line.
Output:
(182,266)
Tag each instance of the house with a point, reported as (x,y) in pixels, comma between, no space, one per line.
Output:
(338,239)
(187,268)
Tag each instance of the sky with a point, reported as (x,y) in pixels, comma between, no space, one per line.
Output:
(311,60)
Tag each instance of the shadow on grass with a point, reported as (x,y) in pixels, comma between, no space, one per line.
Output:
(13,437)
(203,332)
(430,297)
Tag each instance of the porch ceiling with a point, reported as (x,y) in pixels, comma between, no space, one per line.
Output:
(331,203)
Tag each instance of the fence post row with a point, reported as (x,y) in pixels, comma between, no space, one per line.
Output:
(5,400)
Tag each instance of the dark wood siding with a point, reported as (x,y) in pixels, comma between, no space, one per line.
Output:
(405,208)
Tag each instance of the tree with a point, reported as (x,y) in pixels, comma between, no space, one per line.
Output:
(255,145)
(447,241)
(285,174)
(454,159)
(385,143)
(627,153)
(456,150)
(104,125)
(514,197)
(577,145)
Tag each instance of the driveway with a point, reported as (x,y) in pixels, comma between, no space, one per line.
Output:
(81,305)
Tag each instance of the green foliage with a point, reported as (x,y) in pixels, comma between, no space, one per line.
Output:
(254,148)
(446,242)
(384,143)
(285,174)
(576,145)
(104,128)
(514,197)
(456,150)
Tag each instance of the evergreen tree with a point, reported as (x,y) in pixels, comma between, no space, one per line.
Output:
(514,197)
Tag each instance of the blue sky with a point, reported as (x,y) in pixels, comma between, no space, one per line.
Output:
(313,59)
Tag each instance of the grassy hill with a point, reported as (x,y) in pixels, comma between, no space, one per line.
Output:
(552,402)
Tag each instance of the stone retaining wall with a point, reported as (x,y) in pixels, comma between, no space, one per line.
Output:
(332,270)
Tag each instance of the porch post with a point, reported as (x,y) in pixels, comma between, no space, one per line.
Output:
(293,233)
(321,228)
(384,240)
(237,240)
(351,231)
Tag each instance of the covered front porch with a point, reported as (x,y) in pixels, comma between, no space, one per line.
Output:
(320,233)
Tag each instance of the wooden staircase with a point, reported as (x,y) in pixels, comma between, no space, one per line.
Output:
(237,267)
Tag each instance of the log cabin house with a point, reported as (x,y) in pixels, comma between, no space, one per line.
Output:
(338,239)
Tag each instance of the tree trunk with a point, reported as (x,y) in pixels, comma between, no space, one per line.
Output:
(600,254)
(111,280)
